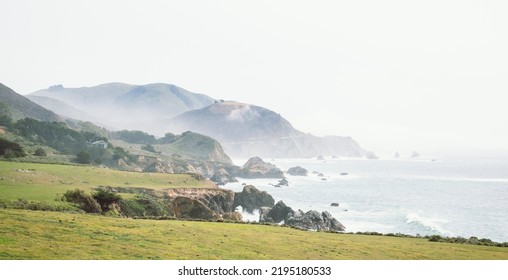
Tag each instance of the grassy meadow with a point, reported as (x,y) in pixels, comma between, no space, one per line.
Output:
(47,182)
(27,234)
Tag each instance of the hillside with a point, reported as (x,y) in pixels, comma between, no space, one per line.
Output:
(18,107)
(125,106)
(246,130)
(63,109)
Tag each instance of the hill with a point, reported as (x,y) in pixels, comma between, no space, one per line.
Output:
(127,106)
(16,106)
(63,109)
(247,130)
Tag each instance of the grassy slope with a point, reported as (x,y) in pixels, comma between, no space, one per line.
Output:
(57,235)
(52,235)
(48,182)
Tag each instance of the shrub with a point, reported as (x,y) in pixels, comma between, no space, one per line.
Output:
(83,157)
(10,149)
(40,152)
(149,148)
(105,198)
(435,238)
(82,200)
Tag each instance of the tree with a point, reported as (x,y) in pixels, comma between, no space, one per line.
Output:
(40,152)
(10,149)
(83,157)
(105,198)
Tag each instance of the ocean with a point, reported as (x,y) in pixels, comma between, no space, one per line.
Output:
(416,196)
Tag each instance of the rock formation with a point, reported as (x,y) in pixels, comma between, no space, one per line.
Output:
(206,204)
(313,220)
(257,168)
(297,171)
(251,198)
(277,214)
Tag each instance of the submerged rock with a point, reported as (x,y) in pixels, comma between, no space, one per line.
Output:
(297,171)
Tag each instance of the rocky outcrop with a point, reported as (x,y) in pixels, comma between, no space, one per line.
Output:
(277,214)
(188,208)
(313,220)
(283,182)
(222,176)
(159,167)
(205,204)
(257,168)
(297,171)
(251,198)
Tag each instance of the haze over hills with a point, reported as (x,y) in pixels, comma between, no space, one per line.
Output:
(63,109)
(247,130)
(244,130)
(125,106)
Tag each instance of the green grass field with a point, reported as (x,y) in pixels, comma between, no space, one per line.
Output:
(47,182)
(28,234)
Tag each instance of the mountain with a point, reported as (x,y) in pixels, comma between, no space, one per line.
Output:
(61,108)
(125,106)
(246,130)
(16,106)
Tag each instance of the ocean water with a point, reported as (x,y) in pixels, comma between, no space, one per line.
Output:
(449,197)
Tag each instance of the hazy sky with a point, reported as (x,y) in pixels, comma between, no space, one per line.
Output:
(395,75)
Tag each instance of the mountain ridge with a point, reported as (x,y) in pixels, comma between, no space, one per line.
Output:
(17,106)
(246,130)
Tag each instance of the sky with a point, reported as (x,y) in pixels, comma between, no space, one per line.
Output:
(429,76)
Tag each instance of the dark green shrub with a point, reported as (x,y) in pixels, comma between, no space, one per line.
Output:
(435,238)
(105,198)
(83,157)
(10,149)
(143,206)
(40,152)
(82,200)
(149,148)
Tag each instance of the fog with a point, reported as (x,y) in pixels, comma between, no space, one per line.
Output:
(395,75)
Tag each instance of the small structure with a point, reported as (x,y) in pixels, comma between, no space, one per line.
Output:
(101,144)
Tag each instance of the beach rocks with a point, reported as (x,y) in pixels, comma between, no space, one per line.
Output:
(334,204)
(297,171)
(310,220)
(277,214)
(313,220)
(282,182)
(256,168)
(251,198)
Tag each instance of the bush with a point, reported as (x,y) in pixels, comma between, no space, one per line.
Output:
(149,148)
(83,157)
(40,152)
(105,198)
(435,238)
(10,149)
(83,201)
